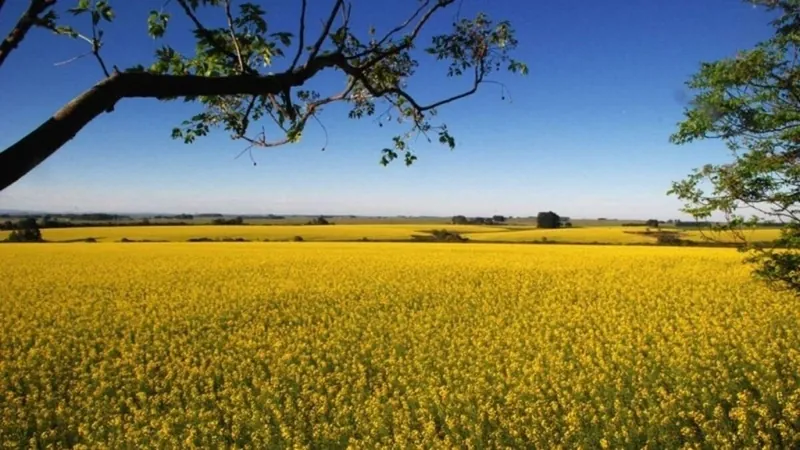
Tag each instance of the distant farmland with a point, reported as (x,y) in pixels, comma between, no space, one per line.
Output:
(386,232)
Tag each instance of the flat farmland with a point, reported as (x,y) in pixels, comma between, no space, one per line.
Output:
(387,232)
(251,232)
(392,345)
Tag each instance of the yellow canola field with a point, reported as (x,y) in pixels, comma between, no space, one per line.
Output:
(250,232)
(345,345)
(614,235)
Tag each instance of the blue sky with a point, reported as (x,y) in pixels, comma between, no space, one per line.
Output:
(585,133)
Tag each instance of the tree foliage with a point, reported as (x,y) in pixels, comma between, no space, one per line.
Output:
(252,78)
(26,230)
(548,219)
(752,102)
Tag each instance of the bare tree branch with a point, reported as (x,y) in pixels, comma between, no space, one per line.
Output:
(96,50)
(358,73)
(24,24)
(325,30)
(301,35)
(310,110)
(394,30)
(74,58)
(232,31)
(395,49)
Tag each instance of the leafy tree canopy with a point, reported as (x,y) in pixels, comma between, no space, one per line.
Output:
(252,77)
(751,101)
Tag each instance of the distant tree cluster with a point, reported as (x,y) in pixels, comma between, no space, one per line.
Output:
(321,220)
(51,221)
(96,217)
(649,223)
(238,220)
(464,220)
(439,236)
(175,217)
(548,219)
(25,230)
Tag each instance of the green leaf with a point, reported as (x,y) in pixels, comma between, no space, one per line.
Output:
(107,13)
(284,37)
(157,24)
(66,30)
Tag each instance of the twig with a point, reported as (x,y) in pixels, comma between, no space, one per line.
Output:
(233,35)
(96,50)
(394,30)
(503,89)
(325,30)
(300,123)
(324,130)
(23,25)
(358,74)
(208,34)
(72,59)
(301,36)
(380,56)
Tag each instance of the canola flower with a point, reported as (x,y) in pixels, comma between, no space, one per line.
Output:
(618,235)
(346,232)
(365,345)
(355,232)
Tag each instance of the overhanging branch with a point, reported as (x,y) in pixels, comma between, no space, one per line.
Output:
(24,24)
(301,35)
(30,151)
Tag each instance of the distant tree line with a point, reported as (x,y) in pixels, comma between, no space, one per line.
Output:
(25,230)
(320,220)
(238,220)
(58,222)
(547,219)
(650,223)
(463,220)
(175,217)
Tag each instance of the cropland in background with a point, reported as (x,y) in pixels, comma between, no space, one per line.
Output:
(392,344)
(347,232)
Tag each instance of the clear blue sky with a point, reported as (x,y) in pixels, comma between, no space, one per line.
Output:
(586,134)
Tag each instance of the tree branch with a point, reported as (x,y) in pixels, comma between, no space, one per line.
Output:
(23,156)
(96,50)
(232,31)
(301,36)
(310,111)
(213,39)
(326,30)
(394,30)
(358,74)
(24,24)
(395,49)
